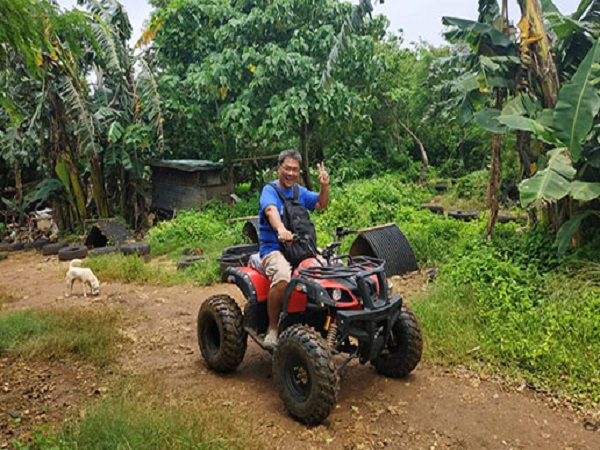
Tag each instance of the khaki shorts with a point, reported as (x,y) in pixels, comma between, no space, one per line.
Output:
(277,268)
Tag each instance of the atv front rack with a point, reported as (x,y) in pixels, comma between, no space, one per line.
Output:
(358,268)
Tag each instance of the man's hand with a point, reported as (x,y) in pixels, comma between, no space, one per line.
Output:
(323,175)
(285,235)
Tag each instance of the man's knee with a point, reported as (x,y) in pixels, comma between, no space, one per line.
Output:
(277,268)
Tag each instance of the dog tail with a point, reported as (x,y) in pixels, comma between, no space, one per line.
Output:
(75,263)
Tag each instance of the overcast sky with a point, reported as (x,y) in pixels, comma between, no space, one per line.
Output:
(418,19)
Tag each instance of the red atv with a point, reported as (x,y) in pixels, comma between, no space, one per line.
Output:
(334,305)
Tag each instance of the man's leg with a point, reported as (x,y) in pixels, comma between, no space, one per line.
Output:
(279,271)
(274,302)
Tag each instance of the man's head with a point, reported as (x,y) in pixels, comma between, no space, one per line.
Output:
(288,167)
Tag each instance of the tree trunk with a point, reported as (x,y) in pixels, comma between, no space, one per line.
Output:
(19,191)
(543,63)
(424,158)
(495,177)
(546,73)
(495,173)
(525,155)
(305,137)
(76,185)
(99,193)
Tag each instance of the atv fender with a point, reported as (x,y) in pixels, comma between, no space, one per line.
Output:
(301,291)
(253,284)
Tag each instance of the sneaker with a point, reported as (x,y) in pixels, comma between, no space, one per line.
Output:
(270,339)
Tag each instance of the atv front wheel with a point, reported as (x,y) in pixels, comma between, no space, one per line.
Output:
(305,374)
(221,336)
(403,350)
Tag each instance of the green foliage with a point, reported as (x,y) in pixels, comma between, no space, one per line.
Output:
(252,72)
(133,269)
(42,438)
(82,334)
(191,229)
(529,312)
(472,187)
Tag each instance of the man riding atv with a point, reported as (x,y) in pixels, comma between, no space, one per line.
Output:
(276,241)
(330,309)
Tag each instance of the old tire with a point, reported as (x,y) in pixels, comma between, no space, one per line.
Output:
(37,244)
(52,249)
(189,261)
(466,216)
(242,249)
(102,251)
(139,248)
(221,336)
(305,374)
(403,352)
(11,247)
(75,252)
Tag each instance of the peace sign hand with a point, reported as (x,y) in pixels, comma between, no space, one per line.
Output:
(323,175)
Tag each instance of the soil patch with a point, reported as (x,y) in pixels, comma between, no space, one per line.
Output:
(433,408)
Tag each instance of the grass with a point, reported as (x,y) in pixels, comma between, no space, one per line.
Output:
(158,272)
(450,328)
(137,416)
(82,334)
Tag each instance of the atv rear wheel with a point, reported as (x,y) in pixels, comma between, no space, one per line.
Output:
(305,374)
(403,351)
(221,336)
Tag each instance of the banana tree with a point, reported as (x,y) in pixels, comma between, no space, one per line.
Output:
(493,64)
(91,129)
(573,168)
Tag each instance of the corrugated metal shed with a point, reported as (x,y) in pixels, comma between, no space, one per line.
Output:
(186,183)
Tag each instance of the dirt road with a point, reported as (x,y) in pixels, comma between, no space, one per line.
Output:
(434,408)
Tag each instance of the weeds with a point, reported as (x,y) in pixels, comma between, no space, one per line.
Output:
(55,334)
(489,308)
(6,296)
(135,417)
(159,272)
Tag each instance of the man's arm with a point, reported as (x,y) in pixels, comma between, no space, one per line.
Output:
(274,219)
(324,192)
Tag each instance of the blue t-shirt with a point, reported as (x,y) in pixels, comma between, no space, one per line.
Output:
(268,236)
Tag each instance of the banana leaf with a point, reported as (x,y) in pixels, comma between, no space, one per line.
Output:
(578,104)
(566,231)
(488,120)
(552,183)
(584,191)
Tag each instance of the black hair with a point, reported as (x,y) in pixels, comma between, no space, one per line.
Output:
(294,154)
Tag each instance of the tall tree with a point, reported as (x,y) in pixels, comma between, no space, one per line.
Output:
(244,77)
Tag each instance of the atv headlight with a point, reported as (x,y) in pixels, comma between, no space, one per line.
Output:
(336,294)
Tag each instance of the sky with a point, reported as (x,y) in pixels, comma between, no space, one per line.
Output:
(418,19)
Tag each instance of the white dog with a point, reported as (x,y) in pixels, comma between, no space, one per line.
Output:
(84,275)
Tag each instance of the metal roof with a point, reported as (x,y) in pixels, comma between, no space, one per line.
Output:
(188,165)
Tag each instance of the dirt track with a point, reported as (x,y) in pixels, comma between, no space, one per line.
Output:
(433,408)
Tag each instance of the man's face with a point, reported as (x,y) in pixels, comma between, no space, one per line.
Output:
(289,172)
